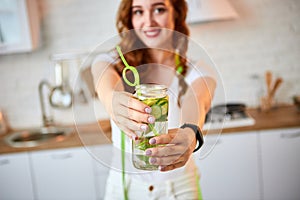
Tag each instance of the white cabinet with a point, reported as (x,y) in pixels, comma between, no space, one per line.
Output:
(231,170)
(247,165)
(63,174)
(19,26)
(281,164)
(209,10)
(15,177)
(102,166)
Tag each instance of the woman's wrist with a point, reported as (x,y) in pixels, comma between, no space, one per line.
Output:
(198,134)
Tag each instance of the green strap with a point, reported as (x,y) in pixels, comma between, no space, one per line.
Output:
(125,191)
(179,68)
(199,188)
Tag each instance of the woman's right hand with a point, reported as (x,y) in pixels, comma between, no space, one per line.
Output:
(130,114)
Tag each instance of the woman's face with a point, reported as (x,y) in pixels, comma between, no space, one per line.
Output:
(148,19)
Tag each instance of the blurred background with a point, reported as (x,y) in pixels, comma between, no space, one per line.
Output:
(264,36)
(253,43)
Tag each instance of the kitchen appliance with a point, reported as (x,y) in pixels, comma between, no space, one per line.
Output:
(228,116)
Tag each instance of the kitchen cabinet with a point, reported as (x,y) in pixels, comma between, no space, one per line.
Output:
(281,164)
(241,165)
(15,177)
(209,10)
(63,174)
(101,166)
(19,26)
(231,170)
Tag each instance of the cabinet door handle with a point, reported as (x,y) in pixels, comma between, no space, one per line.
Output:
(290,135)
(4,162)
(61,156)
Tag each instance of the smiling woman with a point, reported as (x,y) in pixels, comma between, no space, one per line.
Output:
(154,43)
(147,19)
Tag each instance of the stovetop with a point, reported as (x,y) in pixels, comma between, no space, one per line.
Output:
(228,116)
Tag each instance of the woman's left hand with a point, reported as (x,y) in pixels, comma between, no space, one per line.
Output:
(179,145)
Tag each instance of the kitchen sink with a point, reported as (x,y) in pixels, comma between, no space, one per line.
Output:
(38,136)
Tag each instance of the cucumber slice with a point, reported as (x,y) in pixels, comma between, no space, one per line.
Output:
(164,109)
(156,111)
(163,118)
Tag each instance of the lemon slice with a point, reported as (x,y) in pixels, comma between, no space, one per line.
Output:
(150,101)
(162,101)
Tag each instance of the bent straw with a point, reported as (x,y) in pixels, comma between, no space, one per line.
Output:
(136,81)
(127,67)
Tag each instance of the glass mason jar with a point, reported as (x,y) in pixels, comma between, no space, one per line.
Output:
(156,97)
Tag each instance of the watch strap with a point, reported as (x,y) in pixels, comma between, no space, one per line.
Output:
(198,134)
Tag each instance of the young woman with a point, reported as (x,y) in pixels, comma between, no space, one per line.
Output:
(154,40)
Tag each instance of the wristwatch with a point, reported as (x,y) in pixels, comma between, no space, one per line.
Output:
(198,134)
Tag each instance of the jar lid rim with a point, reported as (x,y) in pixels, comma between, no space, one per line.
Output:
(151,86)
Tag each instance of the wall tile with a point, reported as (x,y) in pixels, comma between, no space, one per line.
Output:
(264,37)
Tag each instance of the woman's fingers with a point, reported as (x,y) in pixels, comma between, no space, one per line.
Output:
(168,150)
(135,115)
(129,101)
(132,125)
(178,137)
(130,114)
(165,139)
(171,167)
(136,104)
(175,151)
(168,163)
(128,132)
(168,160)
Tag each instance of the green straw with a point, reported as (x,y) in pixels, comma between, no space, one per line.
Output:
(125,190)
(131,68)
(134,84)
(136,79)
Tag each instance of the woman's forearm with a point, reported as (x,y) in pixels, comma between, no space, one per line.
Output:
(105,84)
(197,101)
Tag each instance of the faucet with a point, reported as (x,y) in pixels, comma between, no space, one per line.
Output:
(60,97)
(47,120)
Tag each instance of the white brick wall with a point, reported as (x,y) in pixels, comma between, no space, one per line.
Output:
(265,37)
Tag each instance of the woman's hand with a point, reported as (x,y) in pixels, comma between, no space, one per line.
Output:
(179,145)
(130,114)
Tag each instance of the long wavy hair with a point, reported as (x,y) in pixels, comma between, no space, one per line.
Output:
(136,52)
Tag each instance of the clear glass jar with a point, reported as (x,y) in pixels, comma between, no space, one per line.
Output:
(156,97)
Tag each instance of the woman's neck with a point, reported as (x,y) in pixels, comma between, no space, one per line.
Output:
(162,56)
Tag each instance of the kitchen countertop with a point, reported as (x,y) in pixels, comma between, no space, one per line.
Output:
(285,116)
(87,134)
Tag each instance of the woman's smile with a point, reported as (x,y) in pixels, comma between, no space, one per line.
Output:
(152,33)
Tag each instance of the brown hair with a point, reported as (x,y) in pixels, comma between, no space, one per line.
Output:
(136,52)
